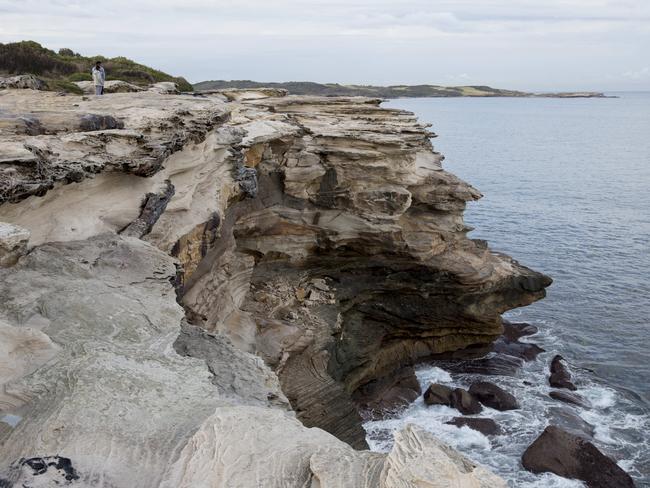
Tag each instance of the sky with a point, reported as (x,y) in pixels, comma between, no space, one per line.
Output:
(536,45)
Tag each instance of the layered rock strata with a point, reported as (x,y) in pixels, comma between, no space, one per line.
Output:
(316,245)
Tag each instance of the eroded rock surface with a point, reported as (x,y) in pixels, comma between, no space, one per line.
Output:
(13,243)
(315,246)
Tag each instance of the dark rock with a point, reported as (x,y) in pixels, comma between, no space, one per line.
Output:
(484,426)
(438,395)
(569,456)
(570,422)
(42,471)
(388,393)
(92,122)
(152,208)
(247,179)
(572,398)
(523,350)
(464,402)
(509,343)
(493,396)
(32,126)
(494,364)
(560,376)
(514,331)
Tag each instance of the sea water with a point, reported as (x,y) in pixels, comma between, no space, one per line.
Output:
(567,192)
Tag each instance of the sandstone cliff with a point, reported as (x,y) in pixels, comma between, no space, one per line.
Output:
(205,271)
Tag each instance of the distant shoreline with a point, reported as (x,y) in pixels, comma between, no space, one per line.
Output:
(394,91)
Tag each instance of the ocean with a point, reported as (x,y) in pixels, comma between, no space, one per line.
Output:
(566,186)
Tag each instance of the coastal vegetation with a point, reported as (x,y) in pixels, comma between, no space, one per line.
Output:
(59,70)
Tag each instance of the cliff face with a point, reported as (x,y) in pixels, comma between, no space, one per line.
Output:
(315,245)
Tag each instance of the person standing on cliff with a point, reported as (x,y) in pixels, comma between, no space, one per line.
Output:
(99,75)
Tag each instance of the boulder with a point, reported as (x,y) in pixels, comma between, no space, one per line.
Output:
(465,402)
(524,350)
(559,452)
(22,81)
(493,396)
(13,243)
(165,88)
(110,86)
(483,425)
(438,395)
(560,375)
(91,122)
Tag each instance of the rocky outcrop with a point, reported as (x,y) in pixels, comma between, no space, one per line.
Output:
(316,248)
(22,82)
(110,86)
(560,376)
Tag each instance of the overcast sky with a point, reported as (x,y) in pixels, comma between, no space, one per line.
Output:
(520,44)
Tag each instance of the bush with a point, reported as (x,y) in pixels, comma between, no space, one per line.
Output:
(63,86)
(183,84)
(66,66)
(30,57)
(81,76)
(64,51)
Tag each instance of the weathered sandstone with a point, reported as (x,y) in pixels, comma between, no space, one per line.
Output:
(315,247)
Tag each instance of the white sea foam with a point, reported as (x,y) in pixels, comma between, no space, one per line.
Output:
(620,435)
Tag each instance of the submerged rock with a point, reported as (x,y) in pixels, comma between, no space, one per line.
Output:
(569,421)
(483,425)
(493,365)
(493,396)
(569,456)
(572,398)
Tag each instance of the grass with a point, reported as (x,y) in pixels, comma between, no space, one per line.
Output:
(60,70)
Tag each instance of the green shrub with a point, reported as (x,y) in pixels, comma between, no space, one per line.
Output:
(66,66)
(63,86)
(30,57)
(81,76)
(183,84)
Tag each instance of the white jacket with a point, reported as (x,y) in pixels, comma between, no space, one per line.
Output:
(99,75)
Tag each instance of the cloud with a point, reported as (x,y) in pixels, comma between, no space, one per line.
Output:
(543,44)
(639,74)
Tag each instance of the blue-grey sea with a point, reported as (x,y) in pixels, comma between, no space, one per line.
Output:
(566,186)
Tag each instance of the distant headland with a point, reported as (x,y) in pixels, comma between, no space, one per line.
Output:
(394,91)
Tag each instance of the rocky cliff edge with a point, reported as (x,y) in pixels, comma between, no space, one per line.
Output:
(210,278)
